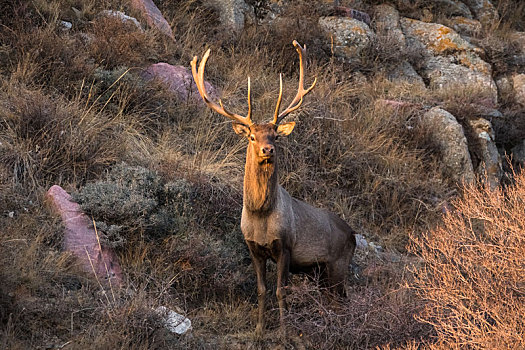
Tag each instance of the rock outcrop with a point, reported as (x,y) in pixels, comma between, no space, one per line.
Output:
(449,60)
(450,137)
(233,13)
(489,170)
(350,36)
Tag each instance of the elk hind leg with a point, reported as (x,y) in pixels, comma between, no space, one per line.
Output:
(337,272)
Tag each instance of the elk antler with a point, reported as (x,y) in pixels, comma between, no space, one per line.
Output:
(301,92)
(198,76)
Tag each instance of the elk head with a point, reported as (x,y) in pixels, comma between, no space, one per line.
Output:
(261,136)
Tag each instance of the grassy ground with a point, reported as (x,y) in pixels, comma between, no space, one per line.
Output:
(74,113)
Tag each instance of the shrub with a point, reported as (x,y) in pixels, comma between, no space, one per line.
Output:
(133,199)
(472,275)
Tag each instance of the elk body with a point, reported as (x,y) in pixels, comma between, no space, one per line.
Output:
(295,235)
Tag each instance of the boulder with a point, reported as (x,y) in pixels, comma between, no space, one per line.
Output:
(518,41)
(518,87)
(442,72)
(464,26)
(450,137)
(490,168)
(505,88)
(452,8)
(386,23)
(405,73)
(178,79)
(152,15)
(484,11)
(350,36)
(80,238)
(450,61)
(233,13)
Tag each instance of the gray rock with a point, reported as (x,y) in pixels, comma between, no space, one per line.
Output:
(361,241)
(518,40)
(405,73)
(350,36)
(466,27)
(449,61)
(450,137)
(518,86)
(484,11)
(173,321)
(452,8)
(65,25)
(489,169)
(505,88)
(386,23)
(234,13)
(441,73)
(435,38)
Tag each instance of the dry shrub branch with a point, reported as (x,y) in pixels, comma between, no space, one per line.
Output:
(473,273)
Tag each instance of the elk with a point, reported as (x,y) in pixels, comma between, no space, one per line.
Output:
(295,235)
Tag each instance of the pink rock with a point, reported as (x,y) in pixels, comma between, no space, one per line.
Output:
(152,15)
(348,12)
(178,79)
(81,240)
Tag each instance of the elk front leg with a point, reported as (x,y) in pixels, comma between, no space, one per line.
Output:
(259,264)
(283,267)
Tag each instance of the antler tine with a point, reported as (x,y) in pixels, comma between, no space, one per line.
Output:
(276,114)
(249,115)
(198,76)
(301,92)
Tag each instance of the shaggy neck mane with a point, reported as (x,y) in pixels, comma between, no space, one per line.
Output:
(260,184)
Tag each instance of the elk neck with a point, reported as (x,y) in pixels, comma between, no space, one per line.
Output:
(260,184)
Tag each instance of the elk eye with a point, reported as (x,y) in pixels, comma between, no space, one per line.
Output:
(252,138)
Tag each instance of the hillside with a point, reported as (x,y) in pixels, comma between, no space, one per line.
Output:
(414,134)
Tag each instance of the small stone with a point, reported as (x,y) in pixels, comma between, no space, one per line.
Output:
(174,322)
(65,25)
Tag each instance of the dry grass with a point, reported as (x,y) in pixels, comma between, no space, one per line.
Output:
(72,107)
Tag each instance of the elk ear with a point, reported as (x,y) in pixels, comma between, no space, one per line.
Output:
(285,129)
(241,129)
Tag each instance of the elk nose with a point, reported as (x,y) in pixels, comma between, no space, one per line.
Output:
(267,150)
